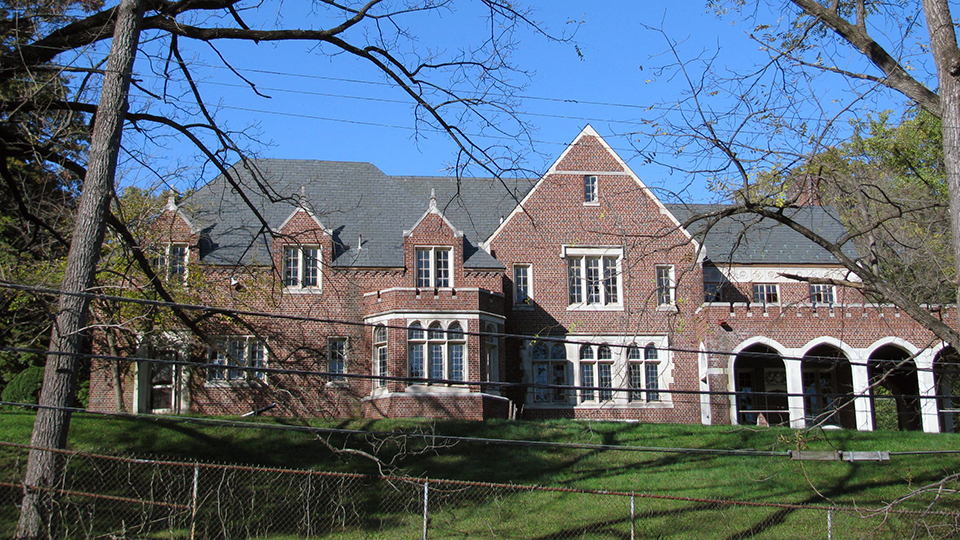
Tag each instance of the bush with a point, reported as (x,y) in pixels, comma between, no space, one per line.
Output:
(25,386)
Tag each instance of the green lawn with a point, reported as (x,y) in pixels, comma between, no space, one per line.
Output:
(768,479)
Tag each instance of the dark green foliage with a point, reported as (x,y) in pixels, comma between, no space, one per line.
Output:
(25,387)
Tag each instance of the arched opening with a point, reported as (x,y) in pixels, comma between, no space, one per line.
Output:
(946,374)
(761,385)
(828,388)
(894,390)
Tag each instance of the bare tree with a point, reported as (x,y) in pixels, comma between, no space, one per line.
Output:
(470,89)
(786,116)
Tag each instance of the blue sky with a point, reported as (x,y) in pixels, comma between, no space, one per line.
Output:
(341,108)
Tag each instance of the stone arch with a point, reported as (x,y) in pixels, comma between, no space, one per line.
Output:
(894,388)
(760,380)
(828,387)
(946,375)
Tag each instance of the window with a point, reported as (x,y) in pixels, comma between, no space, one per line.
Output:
(651,356)
(596,374)
(380,355)
(821,294)
(593,280)
(237,352)
(521,284)
(433,267)
(337,358)
(174,261)
(590,189)
(766,293)
(643,373)
(301,267)
(666,286)
(437,354)
(549,369)
(491,353)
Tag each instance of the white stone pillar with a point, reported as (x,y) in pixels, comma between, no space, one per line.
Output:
(861,390)
(703,362)
(794,367)
(928,391)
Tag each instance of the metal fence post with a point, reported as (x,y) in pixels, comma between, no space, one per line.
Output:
(309,498)
(829,524)
(633,515)
(426,498)
(193,502)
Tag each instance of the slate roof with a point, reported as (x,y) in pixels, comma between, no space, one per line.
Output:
(749,239)
(354,200)
(357,200)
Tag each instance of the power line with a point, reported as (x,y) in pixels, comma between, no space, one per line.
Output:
(213,310)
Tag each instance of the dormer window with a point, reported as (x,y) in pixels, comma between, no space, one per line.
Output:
(590,189)
(434,267)
(174,261)
(301,267)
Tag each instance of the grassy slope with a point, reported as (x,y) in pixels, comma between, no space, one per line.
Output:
(768,479)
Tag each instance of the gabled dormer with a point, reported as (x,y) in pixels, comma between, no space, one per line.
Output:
(302,248)
(177,244)
(433,250)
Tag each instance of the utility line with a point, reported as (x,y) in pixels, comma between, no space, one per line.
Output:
(524,337)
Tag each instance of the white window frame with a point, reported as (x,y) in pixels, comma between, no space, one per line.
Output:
(591,189)
(434,277)
(821,291)
(301,267)
(169,263)
(549,366)
(522,284)
(579,267)
(666,286)
(338,356)
(597,372)
(381,355)
(442,352)
(238,351)
(764,291)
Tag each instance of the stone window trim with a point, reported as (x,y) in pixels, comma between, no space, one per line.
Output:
(666,287)
(433,267)
(243,351)
(766,293)
(591,190)
(437,353)
(523,285)
(594,278)
(381,355)
(823,294)
(301,267)
(174,260)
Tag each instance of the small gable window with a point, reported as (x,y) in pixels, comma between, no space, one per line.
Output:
(301,267)
(590,189)
(434,267)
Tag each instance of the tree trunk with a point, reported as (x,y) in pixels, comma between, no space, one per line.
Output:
(116,372)
(943,43)
(60,376)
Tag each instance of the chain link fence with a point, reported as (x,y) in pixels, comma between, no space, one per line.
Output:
(108,497)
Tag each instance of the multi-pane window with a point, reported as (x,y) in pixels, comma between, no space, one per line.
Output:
(666,286)
(301,267)
(549,369)
(651,358)
(596,371)
(821,293)
(337,358)
(438,353)
(237,352)
(174,261)
(766,293)
(590,189)
(380,354)
(434,267)
(521,284)
(643,373)
(593,280)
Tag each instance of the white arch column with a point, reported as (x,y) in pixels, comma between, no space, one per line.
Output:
(861,390)
(928,391)
(794,368)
